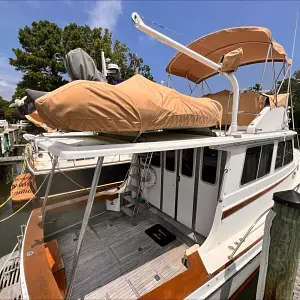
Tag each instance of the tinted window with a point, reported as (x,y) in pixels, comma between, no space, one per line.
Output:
(288,152)
(279,155)
(170,160)
(155,161)
(265,160)
(251,164)
(187,162)
(209,165)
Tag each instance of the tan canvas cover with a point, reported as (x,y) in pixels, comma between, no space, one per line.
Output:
(254,41)
(37,121)
(251,104)
(136,105)
(278,100)
(231,61)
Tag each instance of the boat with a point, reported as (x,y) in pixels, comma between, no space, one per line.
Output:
(188,221)
(72,176)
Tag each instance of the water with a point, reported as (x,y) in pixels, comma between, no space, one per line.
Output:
(10,228)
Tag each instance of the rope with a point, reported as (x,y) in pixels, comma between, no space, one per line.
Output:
(8,217)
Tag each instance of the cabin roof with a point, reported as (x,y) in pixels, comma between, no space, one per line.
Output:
(86,147)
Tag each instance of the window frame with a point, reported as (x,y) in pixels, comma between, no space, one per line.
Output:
(175,161)
(194,163)
(160,160)
(283,165)
(201,167)
(257,178)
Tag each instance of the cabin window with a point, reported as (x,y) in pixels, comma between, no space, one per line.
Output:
(284,153)
(265,160)
(187,162)
(288,152)
(257,162)
(209,165)
(170,161)
(155,161)
(251,164)
(279,156)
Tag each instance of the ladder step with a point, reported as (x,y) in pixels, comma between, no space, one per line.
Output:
(127,211)
(135,176)
(129,199)
(141,166)
(132,188)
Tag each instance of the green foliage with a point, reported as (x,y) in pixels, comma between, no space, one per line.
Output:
(40,59)
(44,45)
(6,112)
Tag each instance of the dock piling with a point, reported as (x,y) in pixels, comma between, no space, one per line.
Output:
(281,248)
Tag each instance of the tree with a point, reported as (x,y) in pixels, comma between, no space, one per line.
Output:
(40,60)
(44,45)
(8,113)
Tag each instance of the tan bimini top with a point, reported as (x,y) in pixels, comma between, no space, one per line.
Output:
(135,105)
(254,42)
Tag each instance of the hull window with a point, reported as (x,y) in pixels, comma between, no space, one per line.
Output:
(170,161)
(288,152)
(187,162)
(155,161)
(209,165)
(284,154)
(265,160)
(251,164)
(279,156)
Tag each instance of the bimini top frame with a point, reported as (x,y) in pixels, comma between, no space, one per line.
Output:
(183,49)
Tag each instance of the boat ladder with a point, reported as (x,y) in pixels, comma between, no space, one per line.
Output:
(135,184)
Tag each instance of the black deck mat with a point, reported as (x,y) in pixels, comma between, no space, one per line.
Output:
(160,235)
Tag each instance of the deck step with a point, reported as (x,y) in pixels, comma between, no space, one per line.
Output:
(132,188)
(129,199)
(127,211)
(139,165)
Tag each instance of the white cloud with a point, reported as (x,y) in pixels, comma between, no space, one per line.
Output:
(9,78)
(105,14)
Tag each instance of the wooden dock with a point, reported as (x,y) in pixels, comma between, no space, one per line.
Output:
(7,160)
(10,139)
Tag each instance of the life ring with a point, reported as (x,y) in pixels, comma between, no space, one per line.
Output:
(150,177)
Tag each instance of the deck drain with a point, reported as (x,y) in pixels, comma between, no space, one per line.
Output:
(140,249)
(75,239)
(11,273)
(157,278)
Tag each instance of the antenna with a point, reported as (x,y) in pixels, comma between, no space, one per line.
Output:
(289,83)
(104,72)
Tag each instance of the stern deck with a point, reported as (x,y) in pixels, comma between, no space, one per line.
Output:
(119,260)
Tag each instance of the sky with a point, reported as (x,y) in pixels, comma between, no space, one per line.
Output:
(188,19)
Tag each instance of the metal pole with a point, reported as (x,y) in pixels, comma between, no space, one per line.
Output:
(85,220)
(43,211)
(211,64)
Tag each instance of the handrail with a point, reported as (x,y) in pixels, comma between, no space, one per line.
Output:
(183,49)
(246,234)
